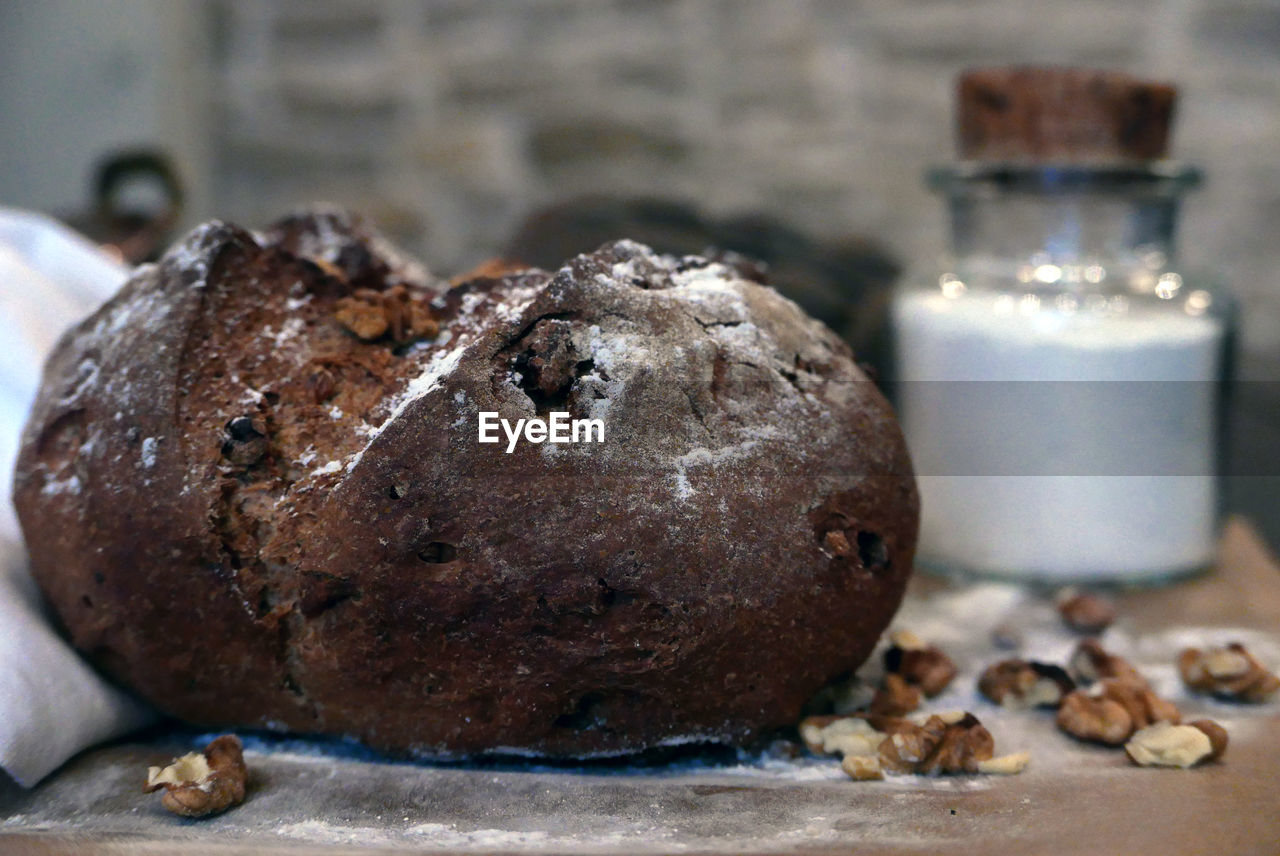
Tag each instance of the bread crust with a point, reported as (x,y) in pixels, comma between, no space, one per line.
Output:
(256,519)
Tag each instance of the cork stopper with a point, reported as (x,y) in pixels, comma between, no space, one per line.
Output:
(1033,114)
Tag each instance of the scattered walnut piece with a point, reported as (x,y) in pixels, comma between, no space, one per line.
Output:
(896,697)
(201,784)
(942,744)
(1085,612)
(1025,683)
(1005,765)
(862,768)
(1112,710)
(1096,719)
(1165,744)
(845,735)
(919,663)
(1229,673)
(964,745)
(1091,662)
(873,745)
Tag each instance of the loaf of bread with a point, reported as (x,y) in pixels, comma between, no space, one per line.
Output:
(253,491)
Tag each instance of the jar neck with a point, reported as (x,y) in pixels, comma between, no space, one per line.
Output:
(1005,218)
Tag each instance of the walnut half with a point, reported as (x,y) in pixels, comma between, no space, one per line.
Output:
(201,784)
(1229,673)
(1085,612)
(1095,719)
(1025,683)
(1112,710)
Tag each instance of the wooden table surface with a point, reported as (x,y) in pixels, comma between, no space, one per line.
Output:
(308,797)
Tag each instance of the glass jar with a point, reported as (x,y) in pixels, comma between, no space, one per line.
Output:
(1059,379)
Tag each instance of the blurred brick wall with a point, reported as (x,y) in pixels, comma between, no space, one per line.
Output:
(449,119)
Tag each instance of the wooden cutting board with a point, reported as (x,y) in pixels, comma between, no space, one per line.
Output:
(327,798)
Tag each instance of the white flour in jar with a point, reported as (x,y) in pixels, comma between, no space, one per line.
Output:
(1086,449)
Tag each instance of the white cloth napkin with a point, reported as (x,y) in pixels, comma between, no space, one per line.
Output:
(52,704)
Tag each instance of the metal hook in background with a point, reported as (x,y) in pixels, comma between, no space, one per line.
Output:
(137,200)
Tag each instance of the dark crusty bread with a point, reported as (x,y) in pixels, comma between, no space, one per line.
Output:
(252,491)
(1035,113)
